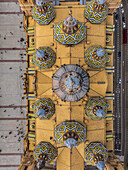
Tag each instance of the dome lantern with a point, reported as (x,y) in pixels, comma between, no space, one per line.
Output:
(70,24)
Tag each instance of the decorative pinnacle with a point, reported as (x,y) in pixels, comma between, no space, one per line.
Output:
(70,12)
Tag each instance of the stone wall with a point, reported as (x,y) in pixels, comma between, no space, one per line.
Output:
(12,99)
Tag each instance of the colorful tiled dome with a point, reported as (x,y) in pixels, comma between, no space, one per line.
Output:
(96,11)
(44,108)
(44,151)
(96,108)
(96,57)
(96,153)
(70,83)
(70,31)
(44,58)
(70,134)
(44,13)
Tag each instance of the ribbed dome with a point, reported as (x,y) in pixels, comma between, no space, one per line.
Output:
(96,57)
(96,152)
(96,11)
(96,108)
(70,83)
(43,13)
(44,58)
(70,133)
(44,151)
(44,108)
(70,31)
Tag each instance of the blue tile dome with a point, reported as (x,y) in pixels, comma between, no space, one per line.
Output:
(96,57)
(69,31)
(96,11)
(43,14)
(70,134)
(44,151)
(44,108)
(44,58)
(96,154)
(96,109)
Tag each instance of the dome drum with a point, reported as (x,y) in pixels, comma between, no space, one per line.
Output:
(98,7)
(43,157)
(42,9)
(70,135)
(98,157)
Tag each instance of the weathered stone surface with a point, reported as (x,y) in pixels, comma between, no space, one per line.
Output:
(11,19)
(9,125)
(9,7)
(11,42)
(12,112)
(10,160)
(12,147)
(12,55)
(12,30)
(11,85)
(8,168)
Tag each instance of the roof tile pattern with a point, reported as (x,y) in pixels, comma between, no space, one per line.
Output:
(93,16)
(46,18)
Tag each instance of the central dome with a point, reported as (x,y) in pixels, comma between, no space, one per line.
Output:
(70,82)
